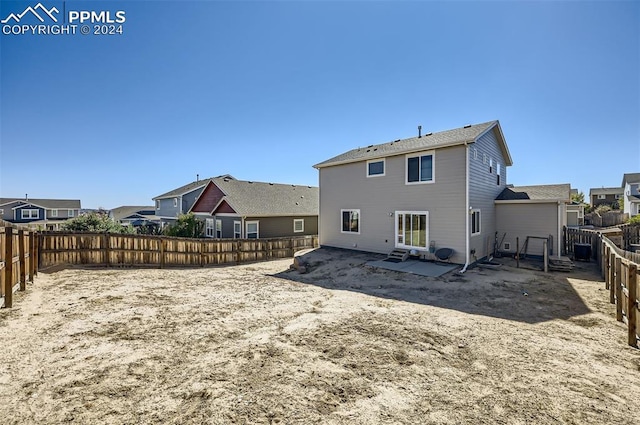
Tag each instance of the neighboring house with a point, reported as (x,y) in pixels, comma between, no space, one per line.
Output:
(631,193)
(47,214)
(135,215)
(605,196)
(534,212)
(436,190)
(240,209)
(575,214)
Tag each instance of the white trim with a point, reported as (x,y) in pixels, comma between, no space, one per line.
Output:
(22,211)
(373,161)
(397,214)
(54,212)
(342,211)
(257,232)
(71,213)
(298,220)
(472,212)
(530,201)
(419,155)
(224,214)
(467,238)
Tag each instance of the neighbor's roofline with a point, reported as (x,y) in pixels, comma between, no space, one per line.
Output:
(532,201)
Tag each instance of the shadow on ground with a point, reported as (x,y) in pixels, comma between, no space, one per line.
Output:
(522,294)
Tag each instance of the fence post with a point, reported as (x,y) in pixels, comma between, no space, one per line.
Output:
(612,276)
(618,289)
(32,255)
(107,253)
(163,247)
(632,286)
(201,253)
(22,258)
(8,267)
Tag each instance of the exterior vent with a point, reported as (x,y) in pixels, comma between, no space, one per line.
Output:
(467,126)
(428,134)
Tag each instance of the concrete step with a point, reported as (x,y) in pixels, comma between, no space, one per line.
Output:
(398,254)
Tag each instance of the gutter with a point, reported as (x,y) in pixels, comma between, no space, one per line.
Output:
(466,211)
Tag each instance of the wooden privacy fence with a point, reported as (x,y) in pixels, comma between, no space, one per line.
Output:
(620,271)
(105,249)
(18,261)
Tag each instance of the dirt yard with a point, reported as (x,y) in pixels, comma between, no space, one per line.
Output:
(342,344)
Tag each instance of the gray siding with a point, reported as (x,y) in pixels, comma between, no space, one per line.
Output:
(347,187)
(276,227)
(166,208)
(483,189)
(185,202)
(527,219)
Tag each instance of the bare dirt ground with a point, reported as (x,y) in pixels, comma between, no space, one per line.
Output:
(342,344)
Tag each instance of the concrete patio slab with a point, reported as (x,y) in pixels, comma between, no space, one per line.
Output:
(421,268)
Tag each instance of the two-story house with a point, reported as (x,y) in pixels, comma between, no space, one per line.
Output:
(243,209)
(631,193)
(605,196)
(430,191)
(48,214)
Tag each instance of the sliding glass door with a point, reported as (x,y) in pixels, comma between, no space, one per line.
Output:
(412,229)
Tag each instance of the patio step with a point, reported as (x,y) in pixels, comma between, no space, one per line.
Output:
(398,254)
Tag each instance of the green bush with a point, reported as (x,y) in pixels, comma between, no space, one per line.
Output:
(186,226)
(634,220)
(98,222)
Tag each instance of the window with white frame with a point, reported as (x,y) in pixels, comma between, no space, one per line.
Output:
(602,196)
(618,196)
(208,227)
(475,222)
(350,221)
(475,153)
(28,213)
(157,204)
(53,213)
(419,168)
(484,158)
(237,229)
(298,225)
(252,230)
(498,174)
(490,165)
(375,167)
(412,229)
(71,213)
(175,202)
(218,228)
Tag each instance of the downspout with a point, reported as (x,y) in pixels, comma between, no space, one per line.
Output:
(466,209)
(559,237)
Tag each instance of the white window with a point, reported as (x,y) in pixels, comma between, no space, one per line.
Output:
(30,214)
(475,222)
(475,153)
(498,174)
(375,168)
(490,165)
(350,221)
(175,202)
(208,227)
(298,225)
(54,213)
(252,230)
(412,229)
(218,228)
(237,229)
(419,168)
(602,196)
(618,196)
(157,204)
(71,213)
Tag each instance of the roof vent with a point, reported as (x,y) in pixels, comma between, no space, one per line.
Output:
(370,146)
(467,126)
(249,181)
(270,184)
(297,203)
(428,134)
(419,131)
(302,197)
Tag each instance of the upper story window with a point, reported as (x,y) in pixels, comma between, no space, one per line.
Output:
(602,196)
(350,221)
(54,213)
(175,202)
(498,174)
(30,213)
(618,196)
(375,167)
(420,168)
(71,213)
(475,153)
(157,204)
(490,165)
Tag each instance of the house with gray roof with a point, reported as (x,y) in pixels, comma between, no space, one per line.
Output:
(605,196)
(243,209)
(631,193)
(443,189)
(134,215)
(47,214)
(535,213)
(426,192)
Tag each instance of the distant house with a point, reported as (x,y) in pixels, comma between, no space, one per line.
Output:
(47,214)
(605,196)
(631,193)
(430,191)
(234,208)
(533,213)
(134,215)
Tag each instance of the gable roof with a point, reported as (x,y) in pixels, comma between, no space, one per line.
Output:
(190,187)
(71,204)
(630,178)
(458,136)
(259,199)
(539,193)
(606,191)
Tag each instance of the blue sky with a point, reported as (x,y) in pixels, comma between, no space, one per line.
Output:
(264,90)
